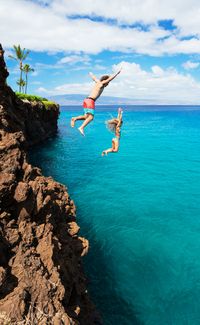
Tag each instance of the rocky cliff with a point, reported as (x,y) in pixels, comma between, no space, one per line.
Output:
(41,276)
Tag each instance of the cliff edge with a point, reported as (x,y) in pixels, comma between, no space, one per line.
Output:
(41,276)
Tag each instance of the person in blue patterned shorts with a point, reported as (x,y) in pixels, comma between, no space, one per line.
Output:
(89,102)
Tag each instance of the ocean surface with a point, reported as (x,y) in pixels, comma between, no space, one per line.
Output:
(139,208)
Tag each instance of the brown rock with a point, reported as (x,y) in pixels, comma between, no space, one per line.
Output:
(82,246)
(73,228)
(21,191)
(2,275)
(41,281)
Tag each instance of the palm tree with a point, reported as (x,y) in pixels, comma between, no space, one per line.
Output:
(20,56)
(27,69)
(21,83)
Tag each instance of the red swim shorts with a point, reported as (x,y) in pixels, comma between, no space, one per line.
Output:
(89,103)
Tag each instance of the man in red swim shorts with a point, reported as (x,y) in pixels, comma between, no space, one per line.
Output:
(89,102)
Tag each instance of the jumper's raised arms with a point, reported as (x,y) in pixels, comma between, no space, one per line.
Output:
(114,125)
(89,102)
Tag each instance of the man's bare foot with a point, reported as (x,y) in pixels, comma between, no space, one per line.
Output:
(104,153)
(72,122)
(81,131)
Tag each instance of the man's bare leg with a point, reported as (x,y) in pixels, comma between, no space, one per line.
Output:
(88,119)
(74,119)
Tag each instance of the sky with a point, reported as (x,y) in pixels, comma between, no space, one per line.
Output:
(157,44)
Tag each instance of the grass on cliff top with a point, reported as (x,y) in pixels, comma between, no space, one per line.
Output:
(34,98)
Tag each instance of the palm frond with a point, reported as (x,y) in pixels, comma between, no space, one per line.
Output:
(20,54)
(27,68)
(24,53)
(12,57)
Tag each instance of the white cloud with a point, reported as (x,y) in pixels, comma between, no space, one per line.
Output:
(49,28)
(184,13)
(99,67)
(74,59)
(188,65)
(159,86)
(75,88)
(93,67)
(157,71)
(44,66)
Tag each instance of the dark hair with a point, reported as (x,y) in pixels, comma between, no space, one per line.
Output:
(105,77)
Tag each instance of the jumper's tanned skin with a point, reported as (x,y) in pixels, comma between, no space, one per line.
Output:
(115,125)
(89,102)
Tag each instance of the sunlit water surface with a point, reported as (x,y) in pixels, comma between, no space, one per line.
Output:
(140,210)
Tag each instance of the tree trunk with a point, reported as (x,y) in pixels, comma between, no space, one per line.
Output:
(26,82)
(20,87)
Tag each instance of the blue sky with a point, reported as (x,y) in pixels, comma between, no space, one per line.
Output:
(157,44)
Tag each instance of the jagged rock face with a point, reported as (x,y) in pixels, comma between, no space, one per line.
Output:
(32,119)
(41,276)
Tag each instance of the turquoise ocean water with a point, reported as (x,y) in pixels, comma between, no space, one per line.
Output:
(140,210)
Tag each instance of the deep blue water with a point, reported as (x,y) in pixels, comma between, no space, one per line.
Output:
(139,208)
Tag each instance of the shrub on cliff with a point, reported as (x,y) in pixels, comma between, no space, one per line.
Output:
(48,104)
(34,98)
(31,98)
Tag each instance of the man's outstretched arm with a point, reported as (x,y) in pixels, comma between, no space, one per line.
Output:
(93,77)
(113,76)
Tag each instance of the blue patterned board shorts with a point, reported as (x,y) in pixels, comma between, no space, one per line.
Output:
(89,111)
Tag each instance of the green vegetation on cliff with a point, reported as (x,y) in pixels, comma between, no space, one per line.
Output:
(34,98)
